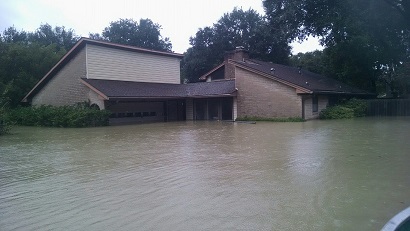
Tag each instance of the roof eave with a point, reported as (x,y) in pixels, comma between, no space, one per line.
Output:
(95,89)
(213,95)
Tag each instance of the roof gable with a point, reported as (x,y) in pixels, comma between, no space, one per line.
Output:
(204,76)
(77,48)
(304,81)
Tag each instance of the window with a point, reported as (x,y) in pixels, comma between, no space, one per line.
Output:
(315,103)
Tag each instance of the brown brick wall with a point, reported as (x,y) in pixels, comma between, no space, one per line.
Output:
(238,54)
(263,97)
(65,87)
(229,71)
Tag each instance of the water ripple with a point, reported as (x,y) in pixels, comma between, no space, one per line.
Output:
(318,175)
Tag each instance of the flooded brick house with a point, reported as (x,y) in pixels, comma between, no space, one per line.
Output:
(272,90)
(141,85)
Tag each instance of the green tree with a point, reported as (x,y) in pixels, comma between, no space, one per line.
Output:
(145,34)
(25,57)
(238,28)
(361,36)
(61,37)
(312,61)
(11,35)
(23,65)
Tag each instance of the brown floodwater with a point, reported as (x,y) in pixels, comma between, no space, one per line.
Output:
(316,175)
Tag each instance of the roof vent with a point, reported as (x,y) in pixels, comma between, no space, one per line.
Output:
(300,70)
(307,83)
(272,70)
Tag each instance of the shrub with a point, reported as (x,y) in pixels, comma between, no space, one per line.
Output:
(4,123)
(255,118)
(359,107)
(62,116)
(337,112)
(350,109)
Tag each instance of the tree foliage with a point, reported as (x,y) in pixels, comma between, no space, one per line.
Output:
(362,37)
(145,34)
(238,28)
(25,57)
(79,115)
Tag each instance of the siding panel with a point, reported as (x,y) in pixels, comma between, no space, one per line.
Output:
(115,64)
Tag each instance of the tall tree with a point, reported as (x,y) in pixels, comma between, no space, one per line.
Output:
(11,35)
(361,36)
(59,35)
(25,57)
(314,61)
(145,34)
(238,28)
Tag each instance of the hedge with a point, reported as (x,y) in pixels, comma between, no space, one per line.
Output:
(350,109)
(77,115)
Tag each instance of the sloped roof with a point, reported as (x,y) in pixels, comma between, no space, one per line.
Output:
(304,79)
(77,48)
(115,89)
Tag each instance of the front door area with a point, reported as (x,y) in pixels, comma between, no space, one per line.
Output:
(213,109)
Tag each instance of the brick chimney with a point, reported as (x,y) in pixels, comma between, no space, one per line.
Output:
(239,54)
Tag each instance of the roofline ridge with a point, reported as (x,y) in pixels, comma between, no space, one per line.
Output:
(136,48)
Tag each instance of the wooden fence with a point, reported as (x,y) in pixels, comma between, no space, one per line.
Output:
(388,107)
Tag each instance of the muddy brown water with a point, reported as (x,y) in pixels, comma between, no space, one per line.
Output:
(316,175)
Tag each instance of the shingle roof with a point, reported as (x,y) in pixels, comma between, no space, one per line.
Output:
(304,79)
(114,89)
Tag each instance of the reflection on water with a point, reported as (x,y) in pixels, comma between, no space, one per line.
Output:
(317,175)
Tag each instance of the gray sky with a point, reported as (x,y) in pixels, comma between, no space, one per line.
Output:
(180,19)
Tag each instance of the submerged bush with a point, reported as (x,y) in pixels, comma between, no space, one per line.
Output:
(350,109)
(359,107)
(254,118)
(4,123)
(59,116)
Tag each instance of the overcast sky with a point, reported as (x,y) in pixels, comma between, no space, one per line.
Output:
(180,19)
